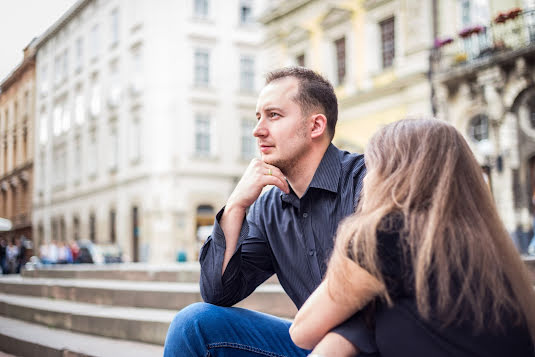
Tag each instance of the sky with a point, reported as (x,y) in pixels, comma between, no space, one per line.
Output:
(22,20)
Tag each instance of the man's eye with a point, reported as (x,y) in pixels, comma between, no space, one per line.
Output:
(273,114)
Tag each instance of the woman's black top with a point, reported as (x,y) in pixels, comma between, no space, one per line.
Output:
(400,330)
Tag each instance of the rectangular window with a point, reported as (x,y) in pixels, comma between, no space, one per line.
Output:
(42,173)
(247,73)
(340,46)
(44,79)
(94,41)
(135,140)
(95,103)
(246,11)
(65,65)
(79,53)
(202,67)
(113,235)
(66,117)
(77,159)
(92,155)
(465,12)
(43,128)
(201,8)
(79,110)
(92,227)
(58,115)
(59,166)
(114,149)
(300,60)
(24,143)
(27,107)
(114,27)
(202,134)
(388,44)
(248,141)
(57,69)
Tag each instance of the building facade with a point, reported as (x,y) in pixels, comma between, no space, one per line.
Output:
(483,79)
(145,116)
(376,53)
(17,99)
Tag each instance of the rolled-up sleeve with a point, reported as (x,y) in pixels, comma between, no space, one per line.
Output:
(249,266)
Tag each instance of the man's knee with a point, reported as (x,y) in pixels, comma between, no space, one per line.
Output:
(191,321)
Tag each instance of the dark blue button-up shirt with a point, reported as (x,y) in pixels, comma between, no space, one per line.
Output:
(291,237)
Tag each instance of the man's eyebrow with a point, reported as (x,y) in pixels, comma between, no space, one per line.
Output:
(268,109)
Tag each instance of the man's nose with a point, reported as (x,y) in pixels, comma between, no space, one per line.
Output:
(260,129)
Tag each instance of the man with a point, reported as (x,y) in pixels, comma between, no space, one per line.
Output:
(288,231)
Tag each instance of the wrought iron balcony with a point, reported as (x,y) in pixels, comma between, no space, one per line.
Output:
(509,33)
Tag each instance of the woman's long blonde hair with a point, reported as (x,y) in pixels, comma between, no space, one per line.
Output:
(424,170)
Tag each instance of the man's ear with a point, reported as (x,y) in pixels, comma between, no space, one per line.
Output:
(319,125)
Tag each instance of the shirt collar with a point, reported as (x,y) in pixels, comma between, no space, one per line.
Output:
(326,177)
(327,174)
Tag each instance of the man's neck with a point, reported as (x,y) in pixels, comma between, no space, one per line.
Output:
(303,172)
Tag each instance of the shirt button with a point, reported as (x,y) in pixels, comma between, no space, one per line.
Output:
(305,215)
(311,252)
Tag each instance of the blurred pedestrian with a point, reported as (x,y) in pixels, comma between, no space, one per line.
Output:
(3,246)
(12,255)
(64,253)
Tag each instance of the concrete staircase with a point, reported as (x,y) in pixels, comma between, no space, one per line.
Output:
(110,310)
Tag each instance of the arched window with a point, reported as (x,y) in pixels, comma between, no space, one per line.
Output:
(479,127)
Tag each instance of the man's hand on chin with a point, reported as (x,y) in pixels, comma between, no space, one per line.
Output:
(335,345)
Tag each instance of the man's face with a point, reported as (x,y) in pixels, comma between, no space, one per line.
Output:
(282,131)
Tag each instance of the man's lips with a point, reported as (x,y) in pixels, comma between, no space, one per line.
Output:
(265,148)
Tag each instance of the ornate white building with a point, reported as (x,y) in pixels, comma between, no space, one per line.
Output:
(484,78)
(144,119)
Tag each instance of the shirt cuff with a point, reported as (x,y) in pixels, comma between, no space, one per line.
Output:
(218,236)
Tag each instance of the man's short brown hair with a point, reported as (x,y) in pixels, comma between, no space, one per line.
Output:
(314,93)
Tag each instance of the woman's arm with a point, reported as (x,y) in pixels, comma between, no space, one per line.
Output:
(322,312)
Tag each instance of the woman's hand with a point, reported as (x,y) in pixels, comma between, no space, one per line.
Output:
(322,311)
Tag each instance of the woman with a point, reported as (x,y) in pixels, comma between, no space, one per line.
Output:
(425,257)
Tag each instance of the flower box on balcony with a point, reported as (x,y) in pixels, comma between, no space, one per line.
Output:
(442,42)
(508,15)
(466,32)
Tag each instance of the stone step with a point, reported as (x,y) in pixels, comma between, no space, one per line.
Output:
(176,272)
(268,298)
(179,272)
(133,324)
(28,340)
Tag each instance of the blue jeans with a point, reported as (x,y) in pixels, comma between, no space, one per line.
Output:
(205,330)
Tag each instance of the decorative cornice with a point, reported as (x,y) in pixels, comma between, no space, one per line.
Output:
(27,63)
(281,9)
(335,16)
(297,35)
(372,4)
(61,22)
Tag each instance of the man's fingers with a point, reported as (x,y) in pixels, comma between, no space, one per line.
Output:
(276,181)
(276,172)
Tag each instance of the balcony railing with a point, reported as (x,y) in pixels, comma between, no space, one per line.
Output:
(478,43)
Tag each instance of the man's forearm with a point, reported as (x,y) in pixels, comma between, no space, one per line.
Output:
(231,223)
